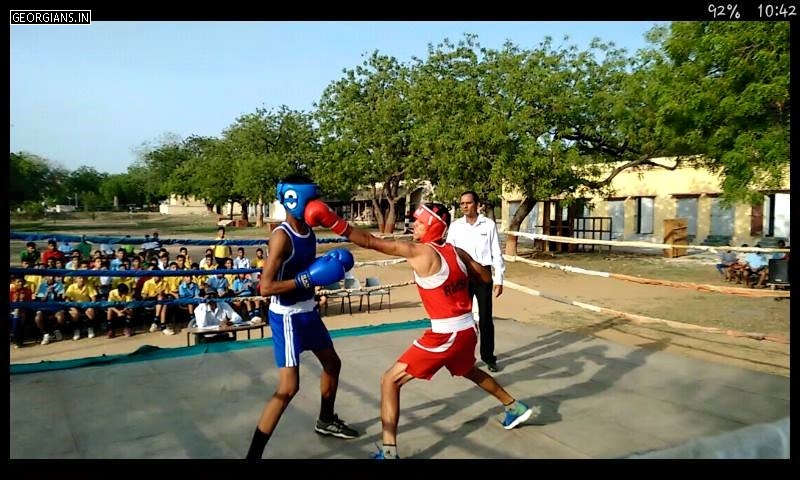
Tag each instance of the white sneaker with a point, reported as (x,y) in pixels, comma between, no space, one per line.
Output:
(168,331)
(90,332)
(256,320)
(76,335)
(59,337)
(45,339)
(153,327)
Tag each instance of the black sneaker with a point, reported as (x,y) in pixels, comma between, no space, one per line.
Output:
(492,367)
(335,428)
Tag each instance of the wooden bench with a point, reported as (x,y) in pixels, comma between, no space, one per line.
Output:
(197,331)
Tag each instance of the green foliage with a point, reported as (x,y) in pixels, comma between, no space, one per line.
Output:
(32,178)
(364,122)
(725,93)
(31,210)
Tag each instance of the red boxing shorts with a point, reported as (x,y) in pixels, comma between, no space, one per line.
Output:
(432,351)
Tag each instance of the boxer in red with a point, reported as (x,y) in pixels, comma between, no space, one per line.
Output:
(441,272)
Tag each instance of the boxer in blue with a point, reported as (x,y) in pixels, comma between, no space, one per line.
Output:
(289,276)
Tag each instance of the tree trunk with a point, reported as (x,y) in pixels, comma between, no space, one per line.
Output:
(230,213)
(391,216)
(260,212)
(245,211)
(377,212)
(524,209)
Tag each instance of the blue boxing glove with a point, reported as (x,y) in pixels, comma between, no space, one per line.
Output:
(325,270)
(344,256)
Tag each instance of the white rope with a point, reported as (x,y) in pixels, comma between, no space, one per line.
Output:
(641,319)
(619,243)
(566,268)
(380,262)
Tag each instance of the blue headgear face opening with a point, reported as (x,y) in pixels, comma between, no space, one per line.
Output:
(295,196)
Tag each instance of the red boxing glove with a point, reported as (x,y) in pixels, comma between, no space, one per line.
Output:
(319,213)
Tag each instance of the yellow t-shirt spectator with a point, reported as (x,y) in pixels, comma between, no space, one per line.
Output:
(129,281)
(172,284)
(32,282)
(115,296)
(74,293)
(151,289)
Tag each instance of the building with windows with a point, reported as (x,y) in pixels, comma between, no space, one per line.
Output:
(644,198)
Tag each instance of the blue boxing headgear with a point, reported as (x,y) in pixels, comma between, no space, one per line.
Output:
(295,196)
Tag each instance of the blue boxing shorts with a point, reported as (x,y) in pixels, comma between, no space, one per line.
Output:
(296,328)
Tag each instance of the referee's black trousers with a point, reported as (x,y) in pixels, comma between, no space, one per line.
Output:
(483,292)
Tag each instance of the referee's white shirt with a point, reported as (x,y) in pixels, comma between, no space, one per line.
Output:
(481,242)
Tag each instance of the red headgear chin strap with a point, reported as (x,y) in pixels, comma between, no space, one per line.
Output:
(437,227)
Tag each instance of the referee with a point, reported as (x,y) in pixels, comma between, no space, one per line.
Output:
(477,235)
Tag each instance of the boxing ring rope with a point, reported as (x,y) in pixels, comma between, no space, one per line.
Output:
(641,319)
(638,244)
(700,287)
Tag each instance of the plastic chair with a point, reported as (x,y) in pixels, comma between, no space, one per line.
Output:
(375,282)
(342,295)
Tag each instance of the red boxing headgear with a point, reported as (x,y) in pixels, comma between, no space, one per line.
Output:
(437,219)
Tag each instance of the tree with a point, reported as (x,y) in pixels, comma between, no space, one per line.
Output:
(455,130)
(364,123)
(725,92)
(85,181)
(265,147)
(34,179)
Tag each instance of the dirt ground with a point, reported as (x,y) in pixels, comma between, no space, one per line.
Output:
(725,311)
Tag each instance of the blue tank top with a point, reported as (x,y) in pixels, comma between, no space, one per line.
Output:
(304,252)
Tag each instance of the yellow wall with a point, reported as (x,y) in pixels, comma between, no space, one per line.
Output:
(662,184)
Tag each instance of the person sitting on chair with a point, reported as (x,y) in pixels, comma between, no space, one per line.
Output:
(212,313)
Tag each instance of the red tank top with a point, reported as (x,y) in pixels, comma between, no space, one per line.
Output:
(451,298)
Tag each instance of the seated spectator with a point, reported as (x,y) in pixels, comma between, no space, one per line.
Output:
(258,262)
(65,248)
(119,258)
(218,284)
(85,247)
(18,292)
(104,282)
(51,289)
(51,252)
(75,262)
(243,287)
(156,241)
(780,255)
(212,313)
(81,291)
(32,280)
(727,258)
(120,294)
(155,288)
(30,254)
(185,252)
(188,289)
(180,260)
(173,282)
(241,261)
(228,265)
(756,264)
(129,281)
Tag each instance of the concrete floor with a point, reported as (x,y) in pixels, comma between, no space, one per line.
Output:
(592,399)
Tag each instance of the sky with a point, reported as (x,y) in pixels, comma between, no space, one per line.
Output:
(96,95)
